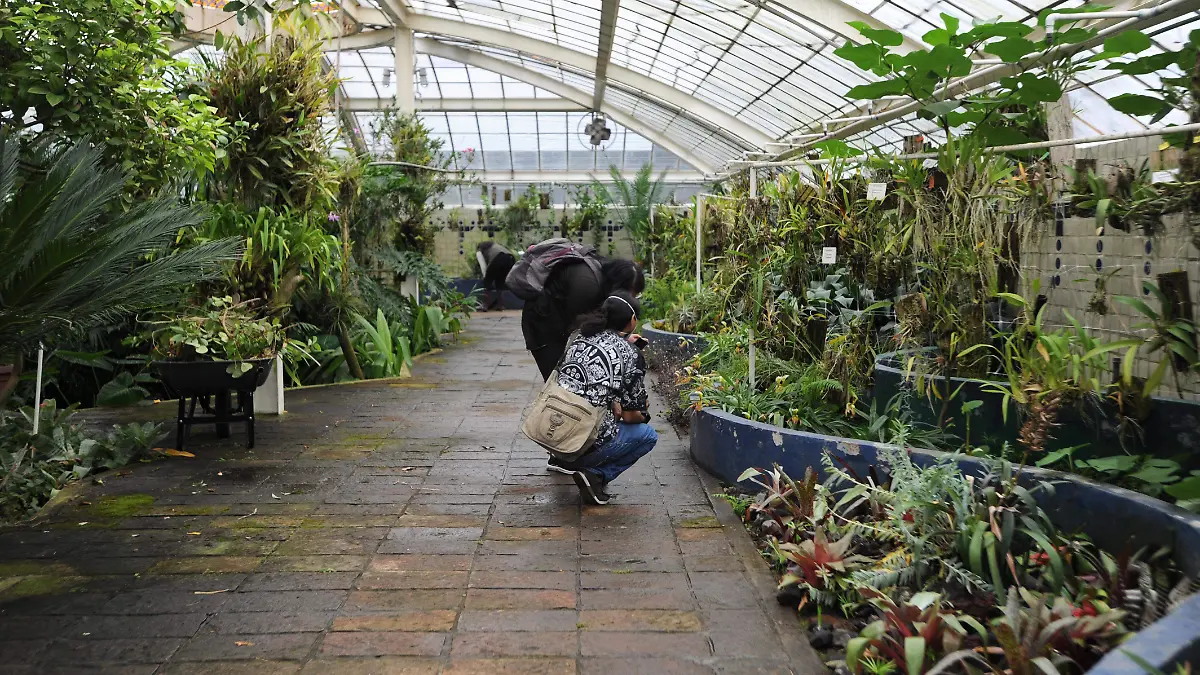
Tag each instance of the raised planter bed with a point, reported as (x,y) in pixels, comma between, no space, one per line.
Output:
(1171,429)
(468,286)
(1115,518)
(666,342)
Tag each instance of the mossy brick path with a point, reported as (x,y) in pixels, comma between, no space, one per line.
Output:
(393,527)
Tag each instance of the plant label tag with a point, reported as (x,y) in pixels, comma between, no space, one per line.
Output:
(876,191)
(1163,176)
(828,255)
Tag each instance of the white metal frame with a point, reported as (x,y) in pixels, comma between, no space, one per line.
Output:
(566,91)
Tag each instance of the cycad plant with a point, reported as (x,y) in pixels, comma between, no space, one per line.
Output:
(638,197)
(73,261)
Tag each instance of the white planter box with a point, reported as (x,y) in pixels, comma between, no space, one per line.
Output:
(268,398)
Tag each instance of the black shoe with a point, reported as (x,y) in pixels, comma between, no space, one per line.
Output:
(591,487)
(561,466)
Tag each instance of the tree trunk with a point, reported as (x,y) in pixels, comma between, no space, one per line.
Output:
(348,351)
(282,299)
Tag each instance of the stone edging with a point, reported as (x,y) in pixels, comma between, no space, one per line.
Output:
(1115,518)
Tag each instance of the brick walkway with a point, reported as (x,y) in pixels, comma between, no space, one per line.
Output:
(393,527)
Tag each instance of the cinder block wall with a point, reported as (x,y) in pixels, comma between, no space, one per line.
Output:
(460,230)
(1080,266)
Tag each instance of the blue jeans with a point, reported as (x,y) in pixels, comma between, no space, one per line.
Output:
(632,442)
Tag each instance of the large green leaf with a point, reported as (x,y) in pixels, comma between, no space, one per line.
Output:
(866,57)
(1128,42)
(1186,489)
(877,90)
(1012,49)
(1137,104)
(882,36)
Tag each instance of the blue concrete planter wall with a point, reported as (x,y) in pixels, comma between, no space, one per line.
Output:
(1171,430)
(467,286)
(667,342)
(1116,519)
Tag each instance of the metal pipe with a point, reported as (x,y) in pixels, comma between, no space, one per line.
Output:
(1055,17)
(837,120)
(1037,145)
(699,225)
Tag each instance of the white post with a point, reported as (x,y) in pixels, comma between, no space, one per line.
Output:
(269,397)
(752,355)
(405,67)
(652,210)
(753,182)
(37,391)
(699,224)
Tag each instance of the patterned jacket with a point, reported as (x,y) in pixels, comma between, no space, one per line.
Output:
(605,368)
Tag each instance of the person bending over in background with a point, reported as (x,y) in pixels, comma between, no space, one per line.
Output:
(494,262)
(603,365)
(571,291)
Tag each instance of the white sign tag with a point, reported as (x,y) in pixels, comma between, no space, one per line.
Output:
(876,191)
(1163,176)
(828,255)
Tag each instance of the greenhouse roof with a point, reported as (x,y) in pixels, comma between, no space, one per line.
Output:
(687,85)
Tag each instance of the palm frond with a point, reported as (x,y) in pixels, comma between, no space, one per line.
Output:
(78,260)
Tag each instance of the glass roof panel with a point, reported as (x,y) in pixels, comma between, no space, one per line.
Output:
(762,61)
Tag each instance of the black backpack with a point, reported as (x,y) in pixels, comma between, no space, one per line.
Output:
(527,279)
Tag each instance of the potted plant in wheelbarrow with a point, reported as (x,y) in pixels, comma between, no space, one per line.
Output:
(206,356)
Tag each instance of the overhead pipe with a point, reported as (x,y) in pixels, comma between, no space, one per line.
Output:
(969,83)
(1055,17)
(1036,145)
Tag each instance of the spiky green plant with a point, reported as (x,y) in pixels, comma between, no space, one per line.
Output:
(73,260)
(638,197)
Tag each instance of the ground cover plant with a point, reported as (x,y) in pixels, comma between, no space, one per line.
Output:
(920,569)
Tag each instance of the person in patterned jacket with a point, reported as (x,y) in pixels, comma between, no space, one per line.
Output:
(603,365)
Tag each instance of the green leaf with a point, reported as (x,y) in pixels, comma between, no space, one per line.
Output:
(748,474)
(866,57)
(924,599)
(971,405)
(877,90)
(914,654)
(55,99)
(1011,50)
(988,31)
(1186,489)
(941,108)
(1146,64)
(219,40)
(1052,458)
(1128,42)
(1032,89)
(881,36)
(854,652)
(1137,104)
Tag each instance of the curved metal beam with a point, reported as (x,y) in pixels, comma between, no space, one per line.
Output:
(517,72)
(712,117)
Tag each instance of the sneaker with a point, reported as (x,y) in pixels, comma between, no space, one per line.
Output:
(591,487)
(558,466)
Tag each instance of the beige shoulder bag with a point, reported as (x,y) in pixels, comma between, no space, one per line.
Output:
(563,423)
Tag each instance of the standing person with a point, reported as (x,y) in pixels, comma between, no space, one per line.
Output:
(495,261)
(571,291)
(603,365)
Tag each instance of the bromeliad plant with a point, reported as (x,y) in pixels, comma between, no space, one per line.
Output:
(961,572)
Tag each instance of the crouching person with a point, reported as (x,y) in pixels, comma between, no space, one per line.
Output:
(604,366)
